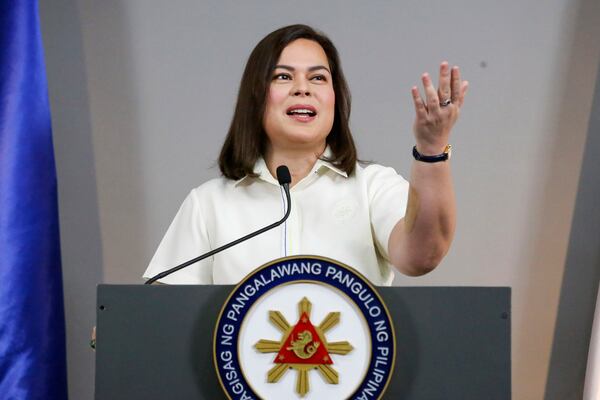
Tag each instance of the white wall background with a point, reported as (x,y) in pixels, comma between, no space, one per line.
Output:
(142,92)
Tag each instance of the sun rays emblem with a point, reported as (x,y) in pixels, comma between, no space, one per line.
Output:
(303,347)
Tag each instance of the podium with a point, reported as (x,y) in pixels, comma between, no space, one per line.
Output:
(155,342)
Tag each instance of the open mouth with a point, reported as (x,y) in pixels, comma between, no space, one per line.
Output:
(301,112)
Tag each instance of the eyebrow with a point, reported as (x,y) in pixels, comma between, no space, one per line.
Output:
(310,69)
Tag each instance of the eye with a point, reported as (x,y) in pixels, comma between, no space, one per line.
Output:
(320,78)
(282,77)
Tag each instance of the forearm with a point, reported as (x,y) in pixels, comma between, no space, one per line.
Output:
(422,238)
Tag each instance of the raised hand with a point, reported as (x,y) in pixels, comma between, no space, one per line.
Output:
(436,115)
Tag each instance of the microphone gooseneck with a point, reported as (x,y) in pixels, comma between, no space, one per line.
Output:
(284,178)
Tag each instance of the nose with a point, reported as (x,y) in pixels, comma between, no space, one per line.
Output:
(302,93)
(300,88)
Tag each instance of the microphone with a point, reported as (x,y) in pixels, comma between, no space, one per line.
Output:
(284,178)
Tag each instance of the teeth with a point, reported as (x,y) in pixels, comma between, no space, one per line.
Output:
(301,111)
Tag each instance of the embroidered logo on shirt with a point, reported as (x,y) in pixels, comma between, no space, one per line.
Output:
(345,209)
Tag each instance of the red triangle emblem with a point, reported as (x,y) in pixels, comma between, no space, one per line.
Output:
(303,345)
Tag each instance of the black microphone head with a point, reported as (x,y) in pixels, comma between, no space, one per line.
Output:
(283,175)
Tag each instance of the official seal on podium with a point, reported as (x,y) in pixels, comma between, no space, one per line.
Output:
(340,343)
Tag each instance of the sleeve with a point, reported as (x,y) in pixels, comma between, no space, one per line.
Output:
(185,239)
(388,198)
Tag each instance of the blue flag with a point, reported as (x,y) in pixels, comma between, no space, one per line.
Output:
(32,324)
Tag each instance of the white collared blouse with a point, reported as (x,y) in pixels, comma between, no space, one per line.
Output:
(347,218)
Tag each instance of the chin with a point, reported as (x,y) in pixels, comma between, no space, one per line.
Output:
(306,139)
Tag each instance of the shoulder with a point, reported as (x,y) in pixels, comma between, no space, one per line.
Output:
(372,172)
(213,188)
(379,180)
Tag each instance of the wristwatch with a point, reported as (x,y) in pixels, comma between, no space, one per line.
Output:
(431,159)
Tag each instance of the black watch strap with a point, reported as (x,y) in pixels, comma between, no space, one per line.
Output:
(432,159)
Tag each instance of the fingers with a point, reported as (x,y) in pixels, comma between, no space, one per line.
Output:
(419,104)
(450,87)
(444,83)
(431,96)
(456,86)
(463,91)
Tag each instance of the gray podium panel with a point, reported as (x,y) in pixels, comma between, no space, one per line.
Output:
(155,342)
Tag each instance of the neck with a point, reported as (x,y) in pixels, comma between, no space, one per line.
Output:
(300,163)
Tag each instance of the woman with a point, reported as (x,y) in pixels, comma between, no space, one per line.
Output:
(293,108)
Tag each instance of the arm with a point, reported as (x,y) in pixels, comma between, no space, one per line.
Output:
(422,238)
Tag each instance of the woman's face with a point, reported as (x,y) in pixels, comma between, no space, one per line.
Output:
(301,101)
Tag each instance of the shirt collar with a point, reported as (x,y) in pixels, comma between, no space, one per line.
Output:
(260,168)
(326,164)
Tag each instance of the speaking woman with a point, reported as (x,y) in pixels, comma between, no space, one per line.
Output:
(293,109)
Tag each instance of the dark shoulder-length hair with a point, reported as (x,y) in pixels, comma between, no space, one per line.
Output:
(246,139)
